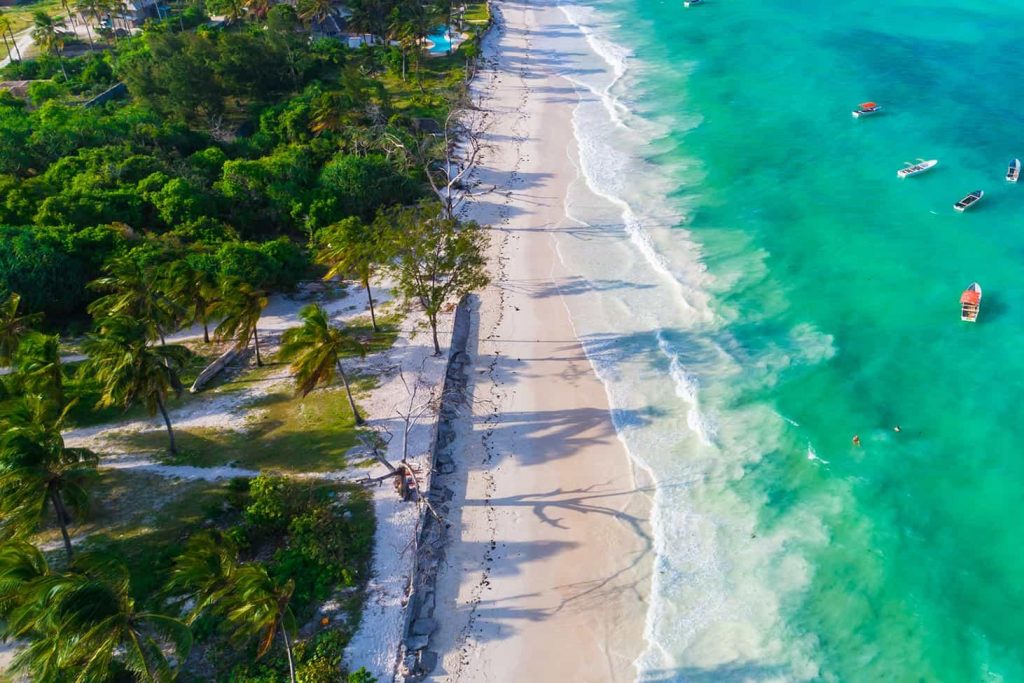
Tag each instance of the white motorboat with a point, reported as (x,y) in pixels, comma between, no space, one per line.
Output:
(1013,172)
(969,201)
(691,3)
(921,166)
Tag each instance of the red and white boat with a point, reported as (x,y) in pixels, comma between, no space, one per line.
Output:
(1013,172)
(970,303)
(866,109)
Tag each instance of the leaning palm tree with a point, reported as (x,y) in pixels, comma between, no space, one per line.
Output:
(13,327)
(131,371)
(39,367)
(316,12)
(315,350)
(202,575)
(4,25)
(259,607)
(8,27)
(351,248)
(89,9)
(86,620)
(209,577)
(38,470)
(20,563)
(131,290)
(240,308)
(195,290)
(48,34)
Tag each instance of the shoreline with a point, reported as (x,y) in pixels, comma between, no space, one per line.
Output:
(548,567)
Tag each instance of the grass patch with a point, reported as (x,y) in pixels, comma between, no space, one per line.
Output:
(286,434)
(477,13)
(20,14)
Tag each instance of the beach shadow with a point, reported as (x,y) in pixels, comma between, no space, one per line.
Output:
(571,286)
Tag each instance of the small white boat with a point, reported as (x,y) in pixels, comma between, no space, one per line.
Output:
(1013,173)
(921,166)
(969,201)
(691,3)
(866,109)
(970,303)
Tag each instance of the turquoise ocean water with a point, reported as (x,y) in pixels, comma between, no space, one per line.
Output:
(757,286)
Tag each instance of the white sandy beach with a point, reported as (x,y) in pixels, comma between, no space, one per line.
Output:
(547,575)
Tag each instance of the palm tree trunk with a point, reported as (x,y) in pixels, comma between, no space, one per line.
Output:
(206,332)
(369,296)
(351,401)
(15,41)
(10,57)
(88,33)
(64,71)
(167,421)
(62,519)
(256,341)
(288,651)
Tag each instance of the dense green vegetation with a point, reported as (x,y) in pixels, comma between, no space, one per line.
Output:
(230,138)
(242,158)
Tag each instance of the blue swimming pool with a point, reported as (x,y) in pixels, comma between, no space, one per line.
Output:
(443,39)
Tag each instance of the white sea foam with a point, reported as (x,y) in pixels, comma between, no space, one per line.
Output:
(718,583)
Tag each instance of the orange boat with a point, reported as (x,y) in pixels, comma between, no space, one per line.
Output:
(866,109)
(970,303)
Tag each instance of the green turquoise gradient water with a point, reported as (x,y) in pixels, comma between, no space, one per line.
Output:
(915,569)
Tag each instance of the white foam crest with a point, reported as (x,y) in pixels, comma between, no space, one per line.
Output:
(615,55)
(687,388)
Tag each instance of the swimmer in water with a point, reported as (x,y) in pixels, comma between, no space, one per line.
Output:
(897,429)
(856,440)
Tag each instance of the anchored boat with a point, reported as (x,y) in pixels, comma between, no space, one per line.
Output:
(1013,173)
(921,166)
(969,201)
(691,3)
(866,109)
(970,303)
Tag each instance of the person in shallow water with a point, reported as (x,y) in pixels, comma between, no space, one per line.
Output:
(856,440)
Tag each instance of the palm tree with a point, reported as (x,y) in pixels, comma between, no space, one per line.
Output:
(194,289)
(20,563)
(132,292)
(351,247)
(89,8)
(315,12)
(131,371)
(259,607)
(6,25)
(83,621)
(37,470)
(13,327)
(39,367)
(315,350)
(67,9)
(202,575)
(240,308)
(209,575)
(48,33)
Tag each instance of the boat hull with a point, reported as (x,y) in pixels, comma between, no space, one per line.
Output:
(970,303)
(964,204)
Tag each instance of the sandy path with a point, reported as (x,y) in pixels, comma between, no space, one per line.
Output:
(547,578)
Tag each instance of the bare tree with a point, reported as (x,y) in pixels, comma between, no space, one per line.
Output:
(461,152)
